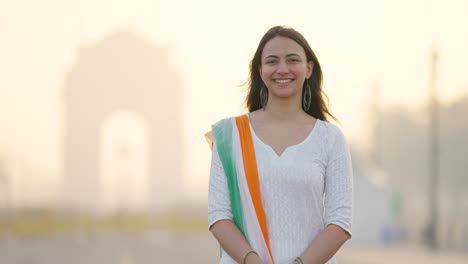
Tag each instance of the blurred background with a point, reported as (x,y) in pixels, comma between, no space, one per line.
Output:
(104,105)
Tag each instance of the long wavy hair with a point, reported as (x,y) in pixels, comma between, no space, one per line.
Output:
(318,107)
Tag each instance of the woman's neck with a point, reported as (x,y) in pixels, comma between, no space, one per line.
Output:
(284,110)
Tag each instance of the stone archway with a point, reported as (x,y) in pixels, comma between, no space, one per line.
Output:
(122,83)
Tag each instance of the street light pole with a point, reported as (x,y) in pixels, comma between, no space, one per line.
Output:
(433,194)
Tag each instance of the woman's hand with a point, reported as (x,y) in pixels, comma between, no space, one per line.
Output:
(253,259)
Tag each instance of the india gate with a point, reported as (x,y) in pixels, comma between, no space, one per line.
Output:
(123,122)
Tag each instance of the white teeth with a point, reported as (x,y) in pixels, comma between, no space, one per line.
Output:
(282,81)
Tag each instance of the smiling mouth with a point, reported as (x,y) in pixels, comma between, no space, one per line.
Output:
(283,81)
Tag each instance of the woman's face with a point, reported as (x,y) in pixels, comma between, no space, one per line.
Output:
(284,67)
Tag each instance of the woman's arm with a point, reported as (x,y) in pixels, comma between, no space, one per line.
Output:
(220,216)
(338,205)
(233,242)
(325,245)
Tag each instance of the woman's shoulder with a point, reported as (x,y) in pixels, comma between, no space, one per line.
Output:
(222,120)
(329,133)
(328,128)
(228,118)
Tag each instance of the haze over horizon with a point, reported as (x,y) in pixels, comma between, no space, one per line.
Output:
(210,44)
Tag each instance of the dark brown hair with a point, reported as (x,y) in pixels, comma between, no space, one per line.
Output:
(318,107)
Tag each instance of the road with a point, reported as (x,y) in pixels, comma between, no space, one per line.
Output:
(165,247)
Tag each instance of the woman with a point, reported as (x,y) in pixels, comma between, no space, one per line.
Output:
(280,186)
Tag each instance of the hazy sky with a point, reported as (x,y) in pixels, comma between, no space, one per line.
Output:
(211,43)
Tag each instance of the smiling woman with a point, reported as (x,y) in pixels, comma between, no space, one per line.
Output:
(286,53)
(284,69)
(275,170)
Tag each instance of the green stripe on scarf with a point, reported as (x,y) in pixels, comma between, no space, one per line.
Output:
(222,132)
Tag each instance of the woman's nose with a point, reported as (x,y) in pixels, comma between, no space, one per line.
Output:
(282,68)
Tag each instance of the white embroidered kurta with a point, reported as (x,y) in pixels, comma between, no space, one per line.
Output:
(304,189)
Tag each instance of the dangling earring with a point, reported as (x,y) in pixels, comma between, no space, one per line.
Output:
(263,96)
(307,98)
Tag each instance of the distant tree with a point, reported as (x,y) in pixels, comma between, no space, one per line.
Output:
(4,188)
(404,145)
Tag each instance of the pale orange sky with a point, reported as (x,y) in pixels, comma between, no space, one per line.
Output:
(211,44)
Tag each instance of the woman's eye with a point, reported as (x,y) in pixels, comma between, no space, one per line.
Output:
(294,60)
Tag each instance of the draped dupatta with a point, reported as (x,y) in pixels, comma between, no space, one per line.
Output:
(233,140)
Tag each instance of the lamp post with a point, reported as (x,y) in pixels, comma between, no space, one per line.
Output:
(433,195)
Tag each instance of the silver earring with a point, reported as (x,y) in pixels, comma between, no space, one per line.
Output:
(307,98)
(263,96)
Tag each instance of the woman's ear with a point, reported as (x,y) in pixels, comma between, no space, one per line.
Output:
(310,67)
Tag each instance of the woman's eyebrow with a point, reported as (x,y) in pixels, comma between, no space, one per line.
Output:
(271,57)
(289,55)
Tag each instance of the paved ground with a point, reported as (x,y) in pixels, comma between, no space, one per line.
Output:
(400,255)
(165,247)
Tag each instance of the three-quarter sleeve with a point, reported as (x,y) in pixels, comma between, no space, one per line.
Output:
(339,184)
(219,204)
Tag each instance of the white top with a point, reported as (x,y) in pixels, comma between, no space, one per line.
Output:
(293,187)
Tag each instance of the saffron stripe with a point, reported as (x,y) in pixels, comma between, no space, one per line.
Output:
(251,225)
(251,171)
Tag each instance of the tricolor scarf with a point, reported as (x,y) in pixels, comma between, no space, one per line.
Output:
(233,141)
